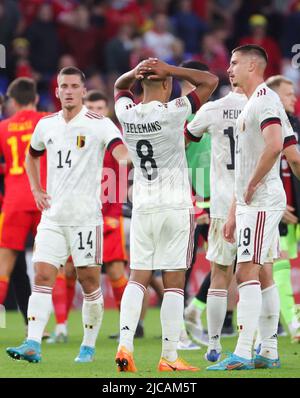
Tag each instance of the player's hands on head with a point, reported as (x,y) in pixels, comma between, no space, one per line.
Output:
(288,216)
(152,69)
(41,199)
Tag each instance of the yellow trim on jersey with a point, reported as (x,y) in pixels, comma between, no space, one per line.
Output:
(1,225)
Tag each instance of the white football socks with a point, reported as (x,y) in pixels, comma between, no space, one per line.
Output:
(268,322)
(171,317)
(92,315)
(131,306)
(215,313)
(39,310)
(248,313)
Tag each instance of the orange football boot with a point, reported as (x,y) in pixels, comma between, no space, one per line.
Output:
(166,366)
(124,360)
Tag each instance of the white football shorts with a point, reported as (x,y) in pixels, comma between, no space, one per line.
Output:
(162,241)
(258,235)
(54,244)
(219,250)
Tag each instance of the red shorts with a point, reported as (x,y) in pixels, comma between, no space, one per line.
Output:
(113,240)
(15,227)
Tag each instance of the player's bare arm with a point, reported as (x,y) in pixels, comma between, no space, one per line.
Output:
(293,157)
(230,225)
(33,172)
(121,154)
(273,140)
(205,82)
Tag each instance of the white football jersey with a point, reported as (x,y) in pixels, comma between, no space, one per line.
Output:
(263,108)
(218,118)
(75,153)
(154,135)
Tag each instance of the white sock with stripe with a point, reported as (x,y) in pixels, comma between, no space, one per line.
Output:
(39,310)
(268,322)
(171,317)
(248,313)
(92,315)
(131,306)
(215,313)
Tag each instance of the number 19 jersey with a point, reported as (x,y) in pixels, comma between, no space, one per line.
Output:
(154,135)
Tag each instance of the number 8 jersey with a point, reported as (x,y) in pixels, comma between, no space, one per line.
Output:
(154,135)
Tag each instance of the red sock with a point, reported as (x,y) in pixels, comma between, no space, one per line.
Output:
(59,297)
(71,283)
(118,287)
(4,282)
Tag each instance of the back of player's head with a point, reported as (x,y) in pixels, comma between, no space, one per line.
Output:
(72,70)
(192,64)
(95,95)
(274,82)
(22,90)
(253,50)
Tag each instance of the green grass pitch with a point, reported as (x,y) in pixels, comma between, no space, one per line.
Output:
(58,360)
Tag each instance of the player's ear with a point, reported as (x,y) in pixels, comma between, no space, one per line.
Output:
(56,92)
(84,92)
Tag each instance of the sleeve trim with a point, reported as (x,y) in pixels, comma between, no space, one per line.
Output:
(124,93)
(288,141)
(194,101)
(113,144)
(35,153)
(190,136)
(267,122)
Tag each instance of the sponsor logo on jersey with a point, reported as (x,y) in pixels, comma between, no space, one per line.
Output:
(49,142)
(246,253)
(80,141)
(88,255)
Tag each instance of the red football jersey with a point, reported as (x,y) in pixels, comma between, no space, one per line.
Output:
(114,186)
(15,135)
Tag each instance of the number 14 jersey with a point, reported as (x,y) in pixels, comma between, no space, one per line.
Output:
(154,135)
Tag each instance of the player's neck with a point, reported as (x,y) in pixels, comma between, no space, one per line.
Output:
(251,86)
(153,96)
(29,107)
(69,114)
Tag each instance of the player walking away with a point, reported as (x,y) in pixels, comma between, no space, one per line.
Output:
(75,140)
(260,203)
(162,222)
(289,226)
(218,118)
(20,215)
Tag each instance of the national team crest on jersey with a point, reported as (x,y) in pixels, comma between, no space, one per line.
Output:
(180,102)
(80,141)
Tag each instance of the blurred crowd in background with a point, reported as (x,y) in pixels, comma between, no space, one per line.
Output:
(106,38)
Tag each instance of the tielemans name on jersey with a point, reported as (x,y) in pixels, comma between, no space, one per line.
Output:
(141,128)
(231,114)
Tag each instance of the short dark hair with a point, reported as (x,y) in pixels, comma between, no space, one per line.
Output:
(72,70)
(192,64)
(1,99)
(252,49)
(22,90)
(95,95)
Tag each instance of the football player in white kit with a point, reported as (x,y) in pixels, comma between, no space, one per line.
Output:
(259,204)
(75,140)
(162,220)
(218,118)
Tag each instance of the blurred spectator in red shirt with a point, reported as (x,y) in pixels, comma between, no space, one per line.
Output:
(19,64)
(159,39)
(81,39)
(214,54)
(258,25)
